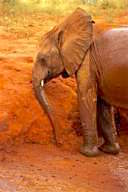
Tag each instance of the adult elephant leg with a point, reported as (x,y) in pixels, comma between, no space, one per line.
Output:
(107,127)
(87,96)
(88,120)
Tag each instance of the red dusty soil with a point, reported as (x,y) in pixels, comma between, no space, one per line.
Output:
(34,167)
(25,164)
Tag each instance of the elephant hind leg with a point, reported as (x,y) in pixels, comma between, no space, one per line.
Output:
(107,127)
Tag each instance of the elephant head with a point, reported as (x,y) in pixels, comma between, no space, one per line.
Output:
(61,52)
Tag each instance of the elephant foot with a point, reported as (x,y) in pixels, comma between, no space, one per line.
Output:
(110,148)
(89,151)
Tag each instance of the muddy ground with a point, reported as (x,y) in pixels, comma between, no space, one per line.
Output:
(28,159)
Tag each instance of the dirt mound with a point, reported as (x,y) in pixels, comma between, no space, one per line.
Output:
(20,113)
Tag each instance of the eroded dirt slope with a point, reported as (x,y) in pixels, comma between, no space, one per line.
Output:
(20,114)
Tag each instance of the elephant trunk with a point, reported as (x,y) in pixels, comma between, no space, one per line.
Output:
(42,99)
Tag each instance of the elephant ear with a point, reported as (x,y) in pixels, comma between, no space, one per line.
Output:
(74,38)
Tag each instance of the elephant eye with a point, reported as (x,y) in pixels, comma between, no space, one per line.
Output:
(42,61)
(49,74)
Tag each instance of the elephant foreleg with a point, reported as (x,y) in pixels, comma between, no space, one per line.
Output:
(88,121)
(107,127)
(87,96)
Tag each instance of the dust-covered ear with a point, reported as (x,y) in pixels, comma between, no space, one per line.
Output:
(74,38)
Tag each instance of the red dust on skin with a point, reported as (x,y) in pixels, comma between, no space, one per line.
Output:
(22,120)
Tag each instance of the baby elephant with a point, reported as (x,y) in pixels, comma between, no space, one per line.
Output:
(101,70)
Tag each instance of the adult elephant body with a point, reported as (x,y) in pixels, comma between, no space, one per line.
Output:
(101,70)
(112,65)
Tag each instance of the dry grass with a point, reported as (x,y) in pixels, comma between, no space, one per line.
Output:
(16,13)
(62,7)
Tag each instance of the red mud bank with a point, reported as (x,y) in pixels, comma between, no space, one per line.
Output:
(21,117)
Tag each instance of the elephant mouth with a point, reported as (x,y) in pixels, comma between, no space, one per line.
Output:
(45,81)
(48,78)
(64,74)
